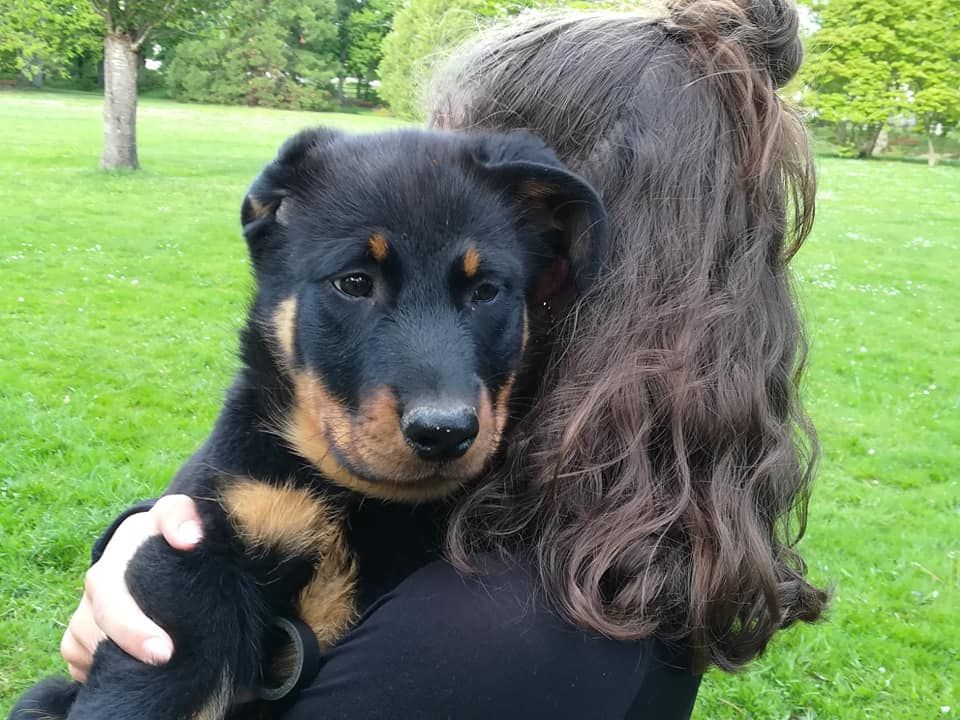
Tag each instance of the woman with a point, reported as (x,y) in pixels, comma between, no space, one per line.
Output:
(638,528)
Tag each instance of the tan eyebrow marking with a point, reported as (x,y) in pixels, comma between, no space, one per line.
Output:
(471,262)
(378,247)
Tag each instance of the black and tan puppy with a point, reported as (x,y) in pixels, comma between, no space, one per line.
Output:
(388,333)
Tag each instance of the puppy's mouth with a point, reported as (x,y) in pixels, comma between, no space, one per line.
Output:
(411,481)
(409,471)
(366,451)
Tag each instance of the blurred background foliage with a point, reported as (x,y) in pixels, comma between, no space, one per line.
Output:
(881,77)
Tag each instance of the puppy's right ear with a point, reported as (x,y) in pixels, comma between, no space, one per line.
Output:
(263,206)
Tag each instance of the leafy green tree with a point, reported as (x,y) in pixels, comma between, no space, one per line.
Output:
(873,60)
(367,26)
(361,27)
(423,31)
(274,53)
(345,8)
(44,38)
(930,68)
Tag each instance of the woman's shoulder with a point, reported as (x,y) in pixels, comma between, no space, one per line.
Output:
(444,645)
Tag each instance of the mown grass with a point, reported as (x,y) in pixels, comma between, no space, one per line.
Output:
(120,295)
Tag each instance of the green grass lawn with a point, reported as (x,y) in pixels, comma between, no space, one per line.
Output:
(120,295)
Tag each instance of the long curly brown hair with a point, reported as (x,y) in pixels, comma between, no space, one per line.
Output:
(660,480)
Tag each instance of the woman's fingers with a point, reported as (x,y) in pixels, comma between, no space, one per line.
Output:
(178,521)
(117,615)
(107,608)
(75,647)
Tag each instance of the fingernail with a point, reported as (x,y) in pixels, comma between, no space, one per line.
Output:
(190,532)
(158,650)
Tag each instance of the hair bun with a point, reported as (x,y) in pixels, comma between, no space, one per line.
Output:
(767,29)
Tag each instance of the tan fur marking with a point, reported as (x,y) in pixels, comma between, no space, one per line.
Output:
(284,519)
(471,262)
(296,523)
(534,189)
(259,209)
(327,603)
(320,429)
(284,326)
(526,333)
(378,247)
(216,706)
(380,444)
(502,408)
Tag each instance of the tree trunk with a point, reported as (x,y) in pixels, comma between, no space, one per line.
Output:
(841,133)
(342,76)
(882,143)
(932,156)
(867,146)
(120,68)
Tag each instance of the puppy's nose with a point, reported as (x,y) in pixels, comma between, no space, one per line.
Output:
(440,433)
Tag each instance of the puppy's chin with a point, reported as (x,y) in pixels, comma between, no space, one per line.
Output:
(420,488)
(418,480)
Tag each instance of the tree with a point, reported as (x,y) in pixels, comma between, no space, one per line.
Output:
(367,26)
(129,24)
(424,31)
(930,69)
(361,27)
(873,60)
(274,53)
(41,38)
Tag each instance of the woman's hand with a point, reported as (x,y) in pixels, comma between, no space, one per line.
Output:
(107,609)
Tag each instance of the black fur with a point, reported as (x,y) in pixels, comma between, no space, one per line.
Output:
(426,334)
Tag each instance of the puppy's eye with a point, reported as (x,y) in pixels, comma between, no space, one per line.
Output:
(356,285)
(485,292)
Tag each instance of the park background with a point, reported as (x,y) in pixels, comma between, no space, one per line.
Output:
(121,292)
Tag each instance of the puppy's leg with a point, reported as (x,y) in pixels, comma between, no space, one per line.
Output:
(215,611)
(48,700)
(267,550)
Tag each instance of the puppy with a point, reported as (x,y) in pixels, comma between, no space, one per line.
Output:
(396,276)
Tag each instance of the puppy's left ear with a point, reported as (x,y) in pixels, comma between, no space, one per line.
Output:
(556,202)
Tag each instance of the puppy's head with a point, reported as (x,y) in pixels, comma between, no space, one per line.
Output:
(396,274)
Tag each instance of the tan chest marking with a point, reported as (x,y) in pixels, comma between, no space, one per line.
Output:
(285,519)
(294,522)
